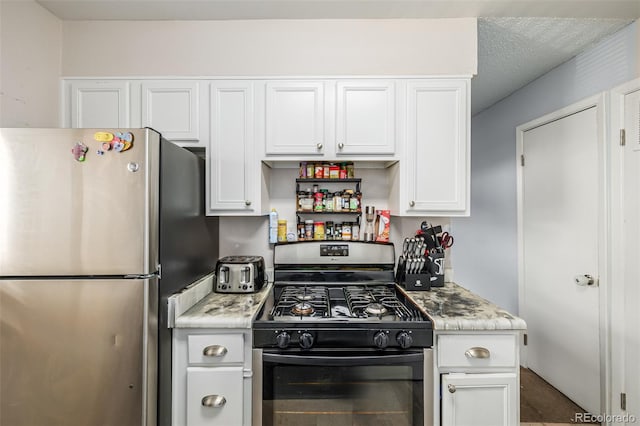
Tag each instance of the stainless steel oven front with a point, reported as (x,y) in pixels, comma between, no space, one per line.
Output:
(343,387)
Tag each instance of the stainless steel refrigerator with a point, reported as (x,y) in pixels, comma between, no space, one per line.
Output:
(97,228)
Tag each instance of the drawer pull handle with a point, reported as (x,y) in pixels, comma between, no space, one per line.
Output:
(214,350)
(215,401)
(477,352)
(452,389)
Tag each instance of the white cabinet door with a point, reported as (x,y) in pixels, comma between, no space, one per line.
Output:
(295,117)
(437,151)
(214,396)
(98,104)
(172,107)
(233,171)
(366,119)
(480,399)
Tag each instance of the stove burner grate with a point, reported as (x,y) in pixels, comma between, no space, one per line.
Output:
(307,301)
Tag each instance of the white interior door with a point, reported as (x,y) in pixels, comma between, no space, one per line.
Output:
(559,207)
(631,249)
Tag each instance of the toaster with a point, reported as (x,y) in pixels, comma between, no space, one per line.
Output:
(240,274)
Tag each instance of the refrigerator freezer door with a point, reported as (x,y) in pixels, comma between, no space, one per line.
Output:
(72,353)
(60,216)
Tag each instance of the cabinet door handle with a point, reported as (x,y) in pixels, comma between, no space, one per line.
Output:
(477,352)
(215,401)
(340,145)
(319,146)
(214,350)
(247,202)
(412,203)
(452,388)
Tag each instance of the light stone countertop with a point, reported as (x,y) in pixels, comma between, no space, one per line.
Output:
(453,307)
(224,310)
(450,308)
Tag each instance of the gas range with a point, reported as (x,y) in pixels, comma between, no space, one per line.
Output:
(338,295)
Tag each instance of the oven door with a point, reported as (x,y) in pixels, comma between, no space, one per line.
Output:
(342,387)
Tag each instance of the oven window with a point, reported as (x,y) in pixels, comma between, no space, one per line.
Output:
(335,395)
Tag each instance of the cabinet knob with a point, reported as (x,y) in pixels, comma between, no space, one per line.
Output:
(452,388)
(412,203)
(584,280)
(247,202)
(214,401)
(319,146)
(477,352)
(340,145)
(214,350)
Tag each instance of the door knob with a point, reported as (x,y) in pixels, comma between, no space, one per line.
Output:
(319,146)
(452,388)
(584,280)
(247,202)
(412,203)
(340,145)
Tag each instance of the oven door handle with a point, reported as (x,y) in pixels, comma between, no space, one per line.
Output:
(342,361)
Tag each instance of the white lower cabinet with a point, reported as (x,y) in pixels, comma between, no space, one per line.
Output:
(479,399)
(479,378)
(211,377)
(214,396)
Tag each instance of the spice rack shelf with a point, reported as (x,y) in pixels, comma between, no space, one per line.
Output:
(321,230)
(357,181)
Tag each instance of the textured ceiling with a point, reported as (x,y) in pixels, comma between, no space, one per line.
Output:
(511,51)
(515,51)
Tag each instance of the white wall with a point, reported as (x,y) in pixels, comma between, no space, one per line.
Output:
(270,47)
(30,49)
(485,250)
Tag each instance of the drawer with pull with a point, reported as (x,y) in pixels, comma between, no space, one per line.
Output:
(477,350)
(216,348)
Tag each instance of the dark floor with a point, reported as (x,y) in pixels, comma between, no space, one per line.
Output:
(542,403)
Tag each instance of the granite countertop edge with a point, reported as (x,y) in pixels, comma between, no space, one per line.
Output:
(454,308)
(224,310)
(450,308)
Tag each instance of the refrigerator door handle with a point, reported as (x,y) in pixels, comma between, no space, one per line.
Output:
(142,276)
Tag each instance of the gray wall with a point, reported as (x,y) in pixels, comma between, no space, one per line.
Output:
(485,252)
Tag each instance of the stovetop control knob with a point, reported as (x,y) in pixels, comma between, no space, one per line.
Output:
(404,339)
(283,339)
(306,340)
(381,340)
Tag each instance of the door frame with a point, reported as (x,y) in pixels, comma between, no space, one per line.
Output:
(600,102)
(617,108)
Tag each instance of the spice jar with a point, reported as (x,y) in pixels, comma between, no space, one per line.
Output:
(328,230)
(310,171)
(308,230)
(318,230)
(301,233)
(346,230)
(319,171)
(337,202)
(355,232)
(325,171)
(350,171)
(337,231)
(318,202)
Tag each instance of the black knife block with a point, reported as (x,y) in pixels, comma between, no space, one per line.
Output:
(417,282)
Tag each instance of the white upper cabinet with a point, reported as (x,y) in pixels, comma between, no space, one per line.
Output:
(295,117)
(97,103)
(330,118)
(178,109)
(435,164)
(365,117)
(232,167)
(172,107)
